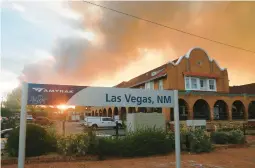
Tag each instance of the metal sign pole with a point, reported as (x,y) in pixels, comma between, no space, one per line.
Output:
(22,131)
(177,130)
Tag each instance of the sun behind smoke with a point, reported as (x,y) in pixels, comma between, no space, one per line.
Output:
(64,107)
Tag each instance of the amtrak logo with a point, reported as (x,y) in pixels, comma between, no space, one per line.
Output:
(52,90)
(38,89)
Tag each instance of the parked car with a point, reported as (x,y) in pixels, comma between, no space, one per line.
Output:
(3,119)
(43,121)
(6,132)
(30,118)
(101,122)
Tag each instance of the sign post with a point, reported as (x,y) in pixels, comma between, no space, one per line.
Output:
(45,94)
(177,131)
(22,130)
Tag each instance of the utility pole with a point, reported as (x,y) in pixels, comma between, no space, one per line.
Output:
(2,98)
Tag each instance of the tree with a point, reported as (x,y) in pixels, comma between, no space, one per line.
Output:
(13,100)
(5,112)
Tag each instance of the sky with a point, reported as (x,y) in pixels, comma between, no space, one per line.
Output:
(77,43)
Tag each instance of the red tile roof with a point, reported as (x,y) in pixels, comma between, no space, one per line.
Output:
(141,79)
(248,89)
(122,84)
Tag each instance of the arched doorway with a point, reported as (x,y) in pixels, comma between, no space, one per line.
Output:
(131,109)
(104,112)
(142,110)
(183,109)
(116,111)
(220,110)
(100,113)
(238,110)
(110,112)
(93,113)
(251,110)
(201,110)
(96,113)
(123,113)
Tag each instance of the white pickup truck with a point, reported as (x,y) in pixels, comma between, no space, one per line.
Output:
(101,122)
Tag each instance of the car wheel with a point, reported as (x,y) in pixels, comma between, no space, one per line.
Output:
(94,126)
(119,126)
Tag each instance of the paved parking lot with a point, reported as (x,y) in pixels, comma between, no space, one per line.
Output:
(75,127)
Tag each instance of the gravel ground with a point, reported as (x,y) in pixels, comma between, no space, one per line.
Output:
(230,158)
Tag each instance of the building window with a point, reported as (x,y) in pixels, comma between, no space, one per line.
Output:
(203,84)
(149,85)
(187,82)
(194,83)
(212,84)
(160,84)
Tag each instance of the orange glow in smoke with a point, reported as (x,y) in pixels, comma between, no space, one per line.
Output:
(64,107)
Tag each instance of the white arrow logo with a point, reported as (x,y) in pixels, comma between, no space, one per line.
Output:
(38,89)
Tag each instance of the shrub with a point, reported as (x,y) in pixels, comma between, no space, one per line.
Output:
(236,137)
(199,141)
(10,123)
(52,139)
(38,141)
(143,142)
(220,137)
(93,142)
(73,145)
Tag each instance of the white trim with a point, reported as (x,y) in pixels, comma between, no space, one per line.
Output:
(187,55)
(206,88)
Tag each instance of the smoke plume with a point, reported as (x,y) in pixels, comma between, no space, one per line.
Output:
(118,38)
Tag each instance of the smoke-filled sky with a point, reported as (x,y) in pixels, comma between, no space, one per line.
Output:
(78,43)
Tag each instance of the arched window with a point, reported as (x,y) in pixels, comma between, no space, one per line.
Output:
(251,110)
(104,112)
(220,110)
(238,110)
(201,110)
(109,112)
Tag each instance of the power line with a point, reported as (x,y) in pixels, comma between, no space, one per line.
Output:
(175,29)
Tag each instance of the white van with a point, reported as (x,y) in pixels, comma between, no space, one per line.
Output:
(101,122)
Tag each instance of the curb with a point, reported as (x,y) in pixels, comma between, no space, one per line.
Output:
(48,159)
(227,146)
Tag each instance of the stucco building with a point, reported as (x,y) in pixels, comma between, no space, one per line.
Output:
(204,91)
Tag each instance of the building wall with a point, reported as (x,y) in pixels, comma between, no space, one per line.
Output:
(196,61)
(175,77)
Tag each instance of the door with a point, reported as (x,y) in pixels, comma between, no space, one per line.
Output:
(107,122)
(103,122)
(216,113)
